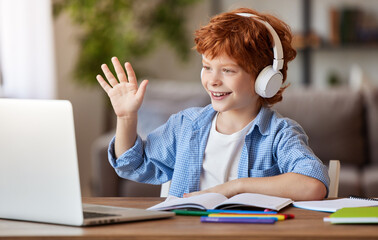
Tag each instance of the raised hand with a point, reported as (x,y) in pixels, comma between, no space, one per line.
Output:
(124,94)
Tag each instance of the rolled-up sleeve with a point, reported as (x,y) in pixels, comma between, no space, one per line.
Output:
(123,162)
(151,161)
(295,155)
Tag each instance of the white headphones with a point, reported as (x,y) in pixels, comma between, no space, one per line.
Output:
(269,80)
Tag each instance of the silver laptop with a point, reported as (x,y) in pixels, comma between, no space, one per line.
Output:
(39,177)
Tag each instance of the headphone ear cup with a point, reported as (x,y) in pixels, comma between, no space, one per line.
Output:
(268,82)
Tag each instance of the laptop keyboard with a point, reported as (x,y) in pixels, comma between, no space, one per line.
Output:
(88,215)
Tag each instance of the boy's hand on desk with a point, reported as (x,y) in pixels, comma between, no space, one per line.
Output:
(227,189)
(124,94)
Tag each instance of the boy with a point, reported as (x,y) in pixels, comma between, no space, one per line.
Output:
(237,143)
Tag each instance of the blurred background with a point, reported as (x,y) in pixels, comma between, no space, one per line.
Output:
(53,49)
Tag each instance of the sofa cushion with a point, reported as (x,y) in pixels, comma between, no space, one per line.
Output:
(333,120)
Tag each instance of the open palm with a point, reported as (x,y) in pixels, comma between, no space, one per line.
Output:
(124,94)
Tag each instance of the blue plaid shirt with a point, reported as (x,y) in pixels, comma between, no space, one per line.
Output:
(174,151)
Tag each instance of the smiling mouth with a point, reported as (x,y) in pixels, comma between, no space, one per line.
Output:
(220,94)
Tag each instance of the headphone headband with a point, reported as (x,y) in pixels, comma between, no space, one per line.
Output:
(277,46)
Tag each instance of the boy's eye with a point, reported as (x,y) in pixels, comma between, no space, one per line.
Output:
(206,67)
(228,70)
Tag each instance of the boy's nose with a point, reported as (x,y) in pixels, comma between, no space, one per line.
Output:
(214,79)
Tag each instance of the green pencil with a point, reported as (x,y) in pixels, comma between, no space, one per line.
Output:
(190,213)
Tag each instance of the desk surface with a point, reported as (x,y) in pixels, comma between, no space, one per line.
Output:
(307,224)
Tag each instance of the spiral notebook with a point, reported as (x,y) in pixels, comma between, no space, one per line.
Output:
(336,204)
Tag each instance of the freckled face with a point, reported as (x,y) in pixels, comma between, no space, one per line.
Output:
(230,87)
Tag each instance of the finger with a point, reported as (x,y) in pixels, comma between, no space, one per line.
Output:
(119,70)
(185,195)
(192,194)
(142,89)
(130,73)
(109,75)
(103,83)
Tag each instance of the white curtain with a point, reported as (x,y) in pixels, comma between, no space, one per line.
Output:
(27,61)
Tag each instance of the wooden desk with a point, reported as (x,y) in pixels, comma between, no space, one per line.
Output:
(306,225)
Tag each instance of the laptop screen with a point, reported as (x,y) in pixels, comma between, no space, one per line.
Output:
(39,177)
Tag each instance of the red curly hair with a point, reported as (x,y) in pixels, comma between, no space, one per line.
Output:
(247,41)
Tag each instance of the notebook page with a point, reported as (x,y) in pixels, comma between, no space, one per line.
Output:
(207,201)
(258,200)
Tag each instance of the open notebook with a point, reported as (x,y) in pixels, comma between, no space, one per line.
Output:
(218,201)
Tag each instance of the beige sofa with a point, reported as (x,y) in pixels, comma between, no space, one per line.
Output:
(341,124)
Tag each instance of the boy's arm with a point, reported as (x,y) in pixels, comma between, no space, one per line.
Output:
(290,185)
(149,161)
(126,99)
(126,134)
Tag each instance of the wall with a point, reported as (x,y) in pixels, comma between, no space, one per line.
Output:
(164,64)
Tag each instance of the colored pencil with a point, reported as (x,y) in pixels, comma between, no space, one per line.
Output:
(238,220)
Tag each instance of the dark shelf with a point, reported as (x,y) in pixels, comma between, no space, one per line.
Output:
(309,43)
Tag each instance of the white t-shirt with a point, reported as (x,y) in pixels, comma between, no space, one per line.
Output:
(221,158)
